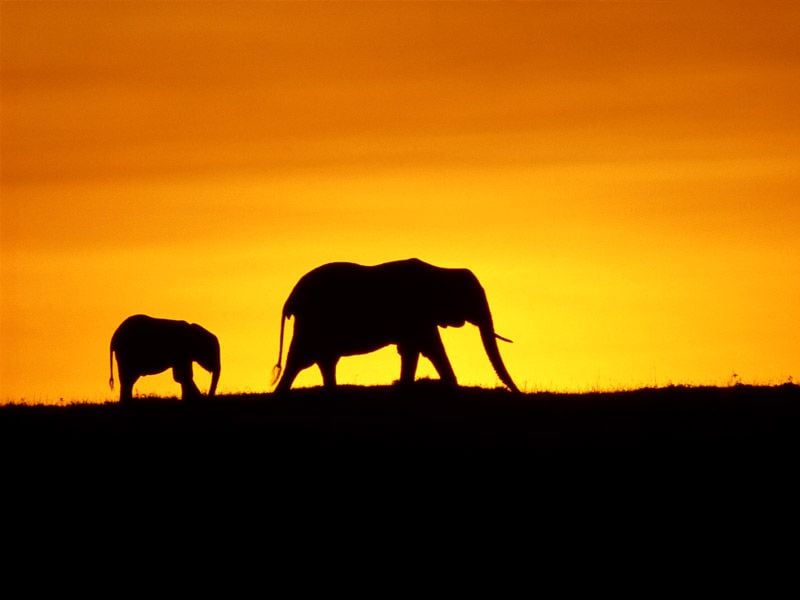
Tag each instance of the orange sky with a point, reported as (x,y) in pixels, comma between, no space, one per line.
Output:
(624,178)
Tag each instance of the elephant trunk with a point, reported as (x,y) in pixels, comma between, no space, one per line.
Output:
(213,364)
(493,352)
(214,380)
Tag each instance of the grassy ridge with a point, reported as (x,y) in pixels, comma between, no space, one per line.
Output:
(428,416)
(677,458)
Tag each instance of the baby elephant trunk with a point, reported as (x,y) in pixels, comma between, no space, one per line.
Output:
(214,381)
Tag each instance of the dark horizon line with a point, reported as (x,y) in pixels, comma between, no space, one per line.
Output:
(419,386)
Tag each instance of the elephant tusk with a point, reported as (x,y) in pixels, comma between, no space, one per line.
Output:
(500,337)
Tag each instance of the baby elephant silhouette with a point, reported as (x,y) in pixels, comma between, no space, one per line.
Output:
(342,309)
(146,346)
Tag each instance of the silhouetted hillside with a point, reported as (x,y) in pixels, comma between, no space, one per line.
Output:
(370,421)
(566,466)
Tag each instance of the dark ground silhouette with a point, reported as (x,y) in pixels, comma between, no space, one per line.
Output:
(431,418)
(550,471)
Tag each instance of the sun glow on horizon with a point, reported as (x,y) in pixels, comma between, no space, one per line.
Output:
(622,179)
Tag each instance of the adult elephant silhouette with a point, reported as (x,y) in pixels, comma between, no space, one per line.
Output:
(146,346)
(342,309)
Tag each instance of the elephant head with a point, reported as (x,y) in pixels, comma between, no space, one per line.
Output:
(342,309)
(457,297)
(204,349)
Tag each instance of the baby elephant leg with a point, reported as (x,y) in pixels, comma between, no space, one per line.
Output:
(183,374)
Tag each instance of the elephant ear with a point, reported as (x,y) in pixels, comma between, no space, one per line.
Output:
(449,321)
(448,311)
(459,298)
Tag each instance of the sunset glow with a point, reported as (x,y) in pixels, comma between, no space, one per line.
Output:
(623,178)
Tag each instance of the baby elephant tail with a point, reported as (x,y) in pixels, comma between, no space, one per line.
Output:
(276,370)
(111,367)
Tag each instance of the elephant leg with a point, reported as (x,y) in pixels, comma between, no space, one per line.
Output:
(434,351)
(189,391)
(126,382)
(327,367)
(409,358)
(294,364)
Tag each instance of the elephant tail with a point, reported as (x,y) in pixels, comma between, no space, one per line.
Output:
(111,367)
(276,370)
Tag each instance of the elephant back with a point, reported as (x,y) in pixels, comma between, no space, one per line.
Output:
(346,294)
